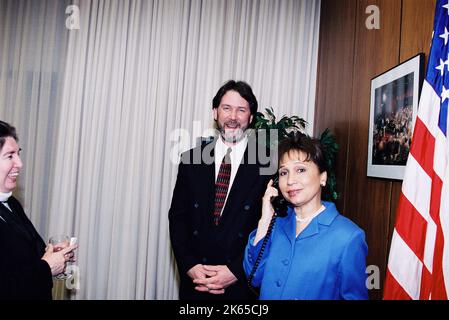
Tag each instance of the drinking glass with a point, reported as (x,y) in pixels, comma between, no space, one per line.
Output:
(60,242)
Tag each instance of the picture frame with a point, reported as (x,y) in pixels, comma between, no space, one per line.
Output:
(393,109)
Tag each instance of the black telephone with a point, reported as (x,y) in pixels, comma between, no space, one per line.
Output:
(280,204)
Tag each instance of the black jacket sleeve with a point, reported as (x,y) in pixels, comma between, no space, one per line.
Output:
(179,222)
(23,274)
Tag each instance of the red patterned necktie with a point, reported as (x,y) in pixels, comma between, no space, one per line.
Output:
(222,185)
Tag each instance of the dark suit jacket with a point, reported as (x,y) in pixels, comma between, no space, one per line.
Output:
(194,237)
(23,275)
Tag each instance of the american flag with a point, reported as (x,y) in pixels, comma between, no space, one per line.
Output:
(418,265)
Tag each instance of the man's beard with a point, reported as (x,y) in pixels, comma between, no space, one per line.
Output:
(237,134)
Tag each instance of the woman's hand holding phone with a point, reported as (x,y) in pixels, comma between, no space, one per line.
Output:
(267,208)
(267,211)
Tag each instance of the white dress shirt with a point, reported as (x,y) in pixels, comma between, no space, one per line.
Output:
(238,150)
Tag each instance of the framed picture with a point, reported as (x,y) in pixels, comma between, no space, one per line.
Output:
(393,109)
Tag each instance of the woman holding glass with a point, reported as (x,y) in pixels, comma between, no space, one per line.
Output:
(26,263)
(313,252)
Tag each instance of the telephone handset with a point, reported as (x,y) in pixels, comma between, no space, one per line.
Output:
(280,204)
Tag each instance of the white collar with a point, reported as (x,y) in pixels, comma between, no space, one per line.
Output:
(5,196)
(238,149)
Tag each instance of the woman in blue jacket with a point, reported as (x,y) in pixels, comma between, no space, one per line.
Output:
(313,252)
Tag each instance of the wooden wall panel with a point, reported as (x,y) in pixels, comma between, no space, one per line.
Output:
(368,199)
(337,41)
(349,56)
(417,26)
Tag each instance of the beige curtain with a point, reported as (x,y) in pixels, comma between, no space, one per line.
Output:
(136,74)
(33,43)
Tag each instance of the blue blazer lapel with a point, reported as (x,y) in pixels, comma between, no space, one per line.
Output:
(288,225)
(325,218)
(311,230)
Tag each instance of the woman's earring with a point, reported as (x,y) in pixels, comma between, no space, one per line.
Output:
(323,183)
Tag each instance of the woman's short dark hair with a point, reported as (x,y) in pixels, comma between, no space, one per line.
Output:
(310,146)
(243,89)
(6,130)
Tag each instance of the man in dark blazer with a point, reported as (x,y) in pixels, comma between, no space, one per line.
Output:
(26,264)
(209,249)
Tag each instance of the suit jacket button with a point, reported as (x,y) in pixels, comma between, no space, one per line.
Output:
(204,259)
(195,233)
(228,261)
(247,207)
(240,235)
(196,205)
